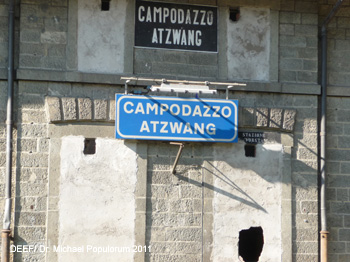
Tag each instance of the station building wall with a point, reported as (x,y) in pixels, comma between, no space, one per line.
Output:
(68,70)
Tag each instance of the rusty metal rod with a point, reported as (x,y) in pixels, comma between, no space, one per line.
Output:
(182,145)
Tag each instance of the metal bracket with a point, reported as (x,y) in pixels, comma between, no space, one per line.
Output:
(181,147)
(126,86)
(227,91)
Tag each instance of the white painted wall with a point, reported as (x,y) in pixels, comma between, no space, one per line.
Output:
(97,203)
(247,194)
(101,36)
(248,42)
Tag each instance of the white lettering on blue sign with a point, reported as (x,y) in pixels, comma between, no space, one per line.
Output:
(180,119)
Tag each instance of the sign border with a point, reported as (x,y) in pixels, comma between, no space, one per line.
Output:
(122,136)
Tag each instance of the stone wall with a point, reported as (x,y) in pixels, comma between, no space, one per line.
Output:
(175,213)
(43,34)
(298,42)
(338,183)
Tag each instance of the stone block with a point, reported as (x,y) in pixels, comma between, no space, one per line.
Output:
(59,89)
(303,30)
(344,141)
(53,109)
(306,257)
(69,108)
(30,61)
(291,64)
(340,208)
(32,102)
(33,116)
(306,7)
(159,163)
(33,87)
(25,203)
(190,191)
(308,53)
(345,168)
(2,145)
(34,160)
(286,29)
(27,145)
(343,115)
(155,234)
(248,117)
(181,206)
(32,175)
(85,108)
(53,37)
(293,41)
(194,219)
(342,194)
(31,190)
(290,18)
(309,19)
(308,207)
(30,36)
(302,247)
(338,155)
(58,63)
(336,247)
(289,119)
(31,233)
(43,145)
(168,191)
(306,140)
(33,131)
(100,109)
(262,117)
(310,65)
(31,219)
(338,180)
(112,110)
(184,234)
(189,247)
(276,118)
(305,180)
(343,258)
(288,52)
(307,234)
(159,177)
(288,76)
(305,153)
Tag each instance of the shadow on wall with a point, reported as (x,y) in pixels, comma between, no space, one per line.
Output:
(268,163)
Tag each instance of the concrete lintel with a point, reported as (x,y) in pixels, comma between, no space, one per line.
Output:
(87,130)
(114,79)
(338,91)
(273,5)
(295,88)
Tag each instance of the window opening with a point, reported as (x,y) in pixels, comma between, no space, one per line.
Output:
(250,244)
(105,5)
(250,150)
(89,146)
(234,14)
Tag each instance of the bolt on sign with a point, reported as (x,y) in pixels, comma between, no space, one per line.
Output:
(175,26)
(176,119)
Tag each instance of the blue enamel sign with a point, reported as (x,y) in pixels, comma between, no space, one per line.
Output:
(176,119)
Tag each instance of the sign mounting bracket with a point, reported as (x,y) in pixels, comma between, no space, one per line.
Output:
(181,147)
